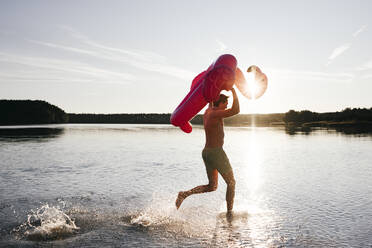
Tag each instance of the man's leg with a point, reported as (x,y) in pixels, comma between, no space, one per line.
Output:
(230,191)
(211,186)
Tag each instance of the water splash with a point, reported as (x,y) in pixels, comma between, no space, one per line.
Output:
(47,223)
(162,216)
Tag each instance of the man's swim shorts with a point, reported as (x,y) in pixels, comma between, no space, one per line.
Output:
(215,158)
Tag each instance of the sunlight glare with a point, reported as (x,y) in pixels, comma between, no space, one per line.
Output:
(261,219)
(252,84)
(253,159)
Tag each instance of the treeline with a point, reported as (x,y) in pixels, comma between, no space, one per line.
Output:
(120,118)
(24,112)
(355,115)
(238,120)
(255,120)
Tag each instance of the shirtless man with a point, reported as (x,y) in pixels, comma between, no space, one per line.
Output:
(214,156)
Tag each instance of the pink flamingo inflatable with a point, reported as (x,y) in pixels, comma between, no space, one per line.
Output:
(206,87)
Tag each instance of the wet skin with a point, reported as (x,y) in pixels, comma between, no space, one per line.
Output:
(214,136)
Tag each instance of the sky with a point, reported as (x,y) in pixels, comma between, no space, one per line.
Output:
(90,56)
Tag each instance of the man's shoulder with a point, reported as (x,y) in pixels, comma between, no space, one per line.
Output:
(213,114)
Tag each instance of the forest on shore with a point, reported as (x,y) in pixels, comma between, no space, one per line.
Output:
(347,117)
(238,120)
(26,112)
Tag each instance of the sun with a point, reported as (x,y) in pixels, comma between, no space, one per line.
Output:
(252,85)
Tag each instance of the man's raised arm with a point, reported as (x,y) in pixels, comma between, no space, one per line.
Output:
(235,109)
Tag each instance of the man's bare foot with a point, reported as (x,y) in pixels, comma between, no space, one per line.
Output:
(180,198)
(229,215)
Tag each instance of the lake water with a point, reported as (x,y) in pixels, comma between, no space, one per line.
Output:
(115,186)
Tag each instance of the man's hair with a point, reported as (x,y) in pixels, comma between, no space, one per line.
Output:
(221,99)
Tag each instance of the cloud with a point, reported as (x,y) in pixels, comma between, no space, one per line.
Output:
(366,76)
(338,51)
(359,31)
(344,47)
(67,48)
(310,75)
(144,60)
(58,70)
(221,46)
(364,71)
(366,66)
(37,77)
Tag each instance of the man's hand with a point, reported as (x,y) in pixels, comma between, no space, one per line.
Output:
(235,109)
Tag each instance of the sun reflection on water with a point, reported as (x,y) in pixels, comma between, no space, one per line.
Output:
(261,221)
(253,158)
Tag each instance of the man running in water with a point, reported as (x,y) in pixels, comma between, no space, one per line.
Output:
(214,156)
